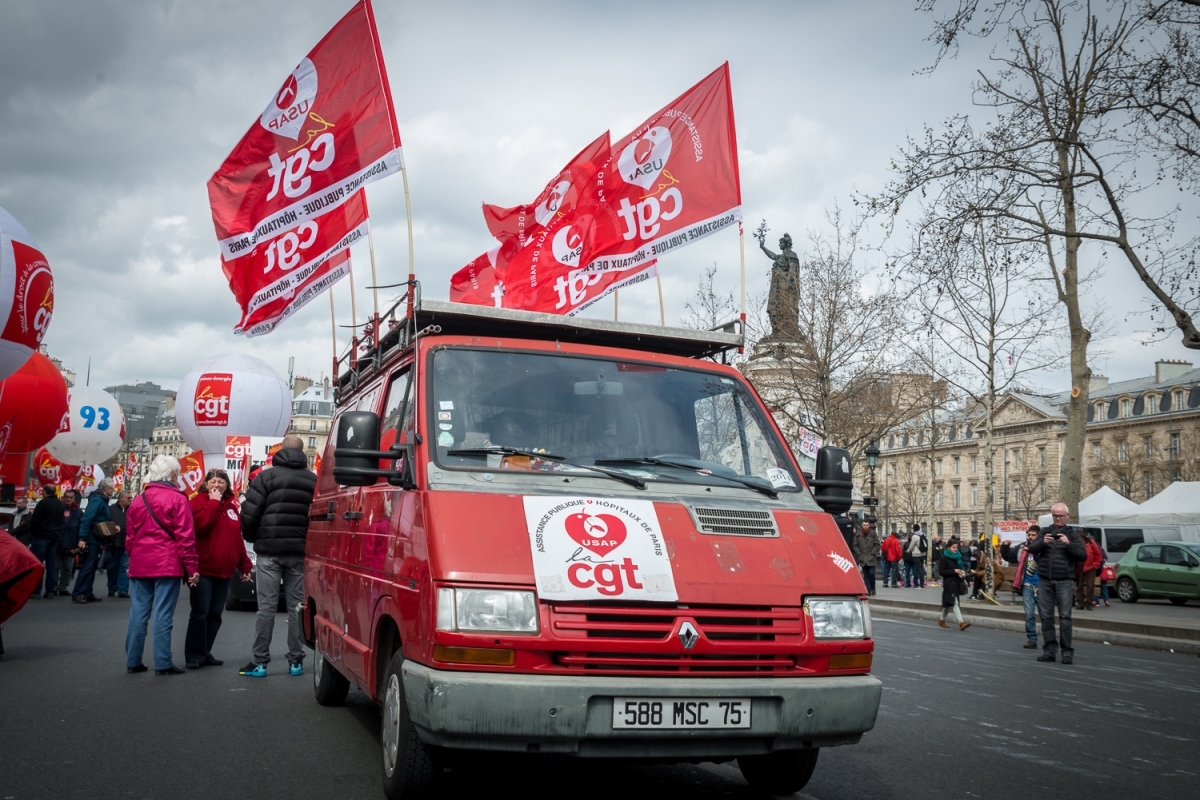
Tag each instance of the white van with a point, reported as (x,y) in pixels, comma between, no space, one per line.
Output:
(1118,539)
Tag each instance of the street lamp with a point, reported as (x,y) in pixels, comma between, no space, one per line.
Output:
(872,454)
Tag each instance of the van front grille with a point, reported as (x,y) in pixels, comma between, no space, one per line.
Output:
(735,521)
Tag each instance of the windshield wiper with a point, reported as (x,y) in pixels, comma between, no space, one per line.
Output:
(504,450)
(666,462)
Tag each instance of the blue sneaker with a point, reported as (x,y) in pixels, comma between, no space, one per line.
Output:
(296,668)
(253,670)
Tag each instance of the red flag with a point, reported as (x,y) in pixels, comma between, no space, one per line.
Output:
(482,281)
(327,132)
(272,281)
(191,473)
(560,195)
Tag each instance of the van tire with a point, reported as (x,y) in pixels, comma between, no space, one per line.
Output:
(781,772)
(329,685)
(1127,591)
(409,768)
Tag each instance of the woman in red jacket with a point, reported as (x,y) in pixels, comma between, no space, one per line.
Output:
(222,552)
(1085,587)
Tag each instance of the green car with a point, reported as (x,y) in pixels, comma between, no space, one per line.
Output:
(1160,569)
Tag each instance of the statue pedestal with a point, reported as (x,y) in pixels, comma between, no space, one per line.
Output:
(778,350)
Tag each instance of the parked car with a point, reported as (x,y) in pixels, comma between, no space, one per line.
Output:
(1170,570)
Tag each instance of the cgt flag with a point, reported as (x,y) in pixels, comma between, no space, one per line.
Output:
(328,131)
(482,281)
(559,197)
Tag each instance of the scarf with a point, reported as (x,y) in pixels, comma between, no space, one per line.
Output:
(955,557)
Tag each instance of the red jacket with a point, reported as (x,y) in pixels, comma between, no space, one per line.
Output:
(1095,558)
(892,549)
(219,537)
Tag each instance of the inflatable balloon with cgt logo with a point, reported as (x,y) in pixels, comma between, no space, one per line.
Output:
(231,395)
(33,402)
(49,471)
(93,430)
(26,295)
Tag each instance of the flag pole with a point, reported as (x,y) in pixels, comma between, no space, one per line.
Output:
(742,261)
(333,331)
(616,303)
(353,318)
(662,317)
(408,213)
(374,289)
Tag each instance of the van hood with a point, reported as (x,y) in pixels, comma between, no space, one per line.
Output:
(485,538)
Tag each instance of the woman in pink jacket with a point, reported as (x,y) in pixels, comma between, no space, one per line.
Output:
(161,543)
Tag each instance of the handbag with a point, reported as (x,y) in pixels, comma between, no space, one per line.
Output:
(1108,573)
(104,532)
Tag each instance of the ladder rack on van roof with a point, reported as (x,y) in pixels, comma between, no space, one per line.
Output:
(401,324)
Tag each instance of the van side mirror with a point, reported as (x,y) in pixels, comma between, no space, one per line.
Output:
(832,486)
(356,455)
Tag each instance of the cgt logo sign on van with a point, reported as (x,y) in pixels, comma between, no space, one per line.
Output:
(211,404)
(588,548)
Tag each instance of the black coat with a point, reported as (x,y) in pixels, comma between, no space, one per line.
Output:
(1056,561)
(68,537)
(275,513)
(952,585)
(48,518)
(118,516)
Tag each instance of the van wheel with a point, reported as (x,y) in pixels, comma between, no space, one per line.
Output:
(1178,601)
(1127,591)
(783,772)
(329,685)
(409,770)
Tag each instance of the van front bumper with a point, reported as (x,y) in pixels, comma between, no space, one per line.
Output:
(573,715)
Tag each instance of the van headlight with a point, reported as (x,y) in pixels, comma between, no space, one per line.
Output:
(486,611)
(839,617)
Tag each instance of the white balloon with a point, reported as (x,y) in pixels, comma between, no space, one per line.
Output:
(96,428)
(231,395)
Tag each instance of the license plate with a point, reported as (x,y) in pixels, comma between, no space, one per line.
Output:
(634,713)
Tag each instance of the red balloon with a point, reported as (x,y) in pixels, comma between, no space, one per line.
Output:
(34,398)
(49,471)
(13,468)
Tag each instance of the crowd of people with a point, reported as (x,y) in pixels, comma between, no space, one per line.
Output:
(150,545)
(1055,569)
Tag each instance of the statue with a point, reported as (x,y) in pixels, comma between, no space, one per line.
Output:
(783,303)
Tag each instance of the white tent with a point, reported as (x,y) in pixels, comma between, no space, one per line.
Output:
(1178,504)
(1098,508)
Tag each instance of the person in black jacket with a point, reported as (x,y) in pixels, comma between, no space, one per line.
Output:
(68,540)
(275,521)
(47,525)
(951,569)
(1057,551)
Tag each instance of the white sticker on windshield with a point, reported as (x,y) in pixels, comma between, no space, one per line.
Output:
(588,548)
(446,426)
(444,415)
(446,405)
(780,477)
(445,439)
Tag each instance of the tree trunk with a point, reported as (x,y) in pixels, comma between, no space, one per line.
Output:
(1071,470)
(989,471)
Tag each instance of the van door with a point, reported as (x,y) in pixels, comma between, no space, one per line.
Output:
(377,504)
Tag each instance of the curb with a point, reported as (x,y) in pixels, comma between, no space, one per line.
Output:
(1083,634)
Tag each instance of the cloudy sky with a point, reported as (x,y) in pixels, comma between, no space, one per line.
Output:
(113,115)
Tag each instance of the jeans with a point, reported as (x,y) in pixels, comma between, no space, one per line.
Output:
(920,570)
(85,580)
(946,610)
(891,573)
(271,570)
(868,574)
(910,574)
(208,601)
(46,553)
(157,596)
(1050,594)
(1104,590)
(64,562)
(1029,599)
(118,571)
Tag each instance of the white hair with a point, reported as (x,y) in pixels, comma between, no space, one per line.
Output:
(163,468)
(104,484)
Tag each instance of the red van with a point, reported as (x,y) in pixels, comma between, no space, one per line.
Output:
(538,534)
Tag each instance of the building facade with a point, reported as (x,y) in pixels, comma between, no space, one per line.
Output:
(1141,435)
(312,415)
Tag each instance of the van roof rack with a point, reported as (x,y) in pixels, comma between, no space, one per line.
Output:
(397,331)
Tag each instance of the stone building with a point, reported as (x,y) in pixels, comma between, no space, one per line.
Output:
(1141,435)
(312,414)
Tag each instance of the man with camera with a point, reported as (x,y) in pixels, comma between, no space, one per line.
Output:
(1057,551)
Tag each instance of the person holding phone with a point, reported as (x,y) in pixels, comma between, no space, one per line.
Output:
(1057,550)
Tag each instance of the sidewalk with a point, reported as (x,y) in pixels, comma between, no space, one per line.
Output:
(1151,624)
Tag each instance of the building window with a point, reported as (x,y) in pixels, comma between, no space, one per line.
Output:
(974,494)
(1126,407)
(1016,490)
(1178,404)
(956,496)
(1149,447)
(905,440)
(1174,445)
(1149,485)
(1016,459)
(1099,411)
(974,528)
(312,408)
(939,498)
(939,465)
(1124,487)
(891,441)
(1041,456)
(312,441)
(956,465)
(1042,490)
(1121,453)
(1151,403)
(974,464)
(1096,452)
(909,465)
(940,530)
(312,424)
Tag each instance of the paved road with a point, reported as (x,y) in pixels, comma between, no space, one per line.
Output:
(964,715)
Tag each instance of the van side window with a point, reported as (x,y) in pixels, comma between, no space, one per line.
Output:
(1150,554)
(397,411)
(1120,540)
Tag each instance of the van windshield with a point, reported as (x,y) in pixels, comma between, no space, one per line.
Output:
(660,423)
